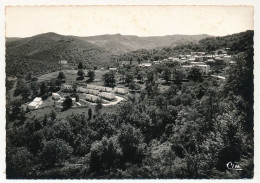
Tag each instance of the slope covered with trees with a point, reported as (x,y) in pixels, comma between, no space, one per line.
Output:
(239,42)
(43,52)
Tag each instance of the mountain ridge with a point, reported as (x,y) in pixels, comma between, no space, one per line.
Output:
(118,43)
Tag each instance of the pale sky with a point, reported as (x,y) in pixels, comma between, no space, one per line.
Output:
(128,20)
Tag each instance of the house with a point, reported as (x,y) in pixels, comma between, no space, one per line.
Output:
(156,62)
(113,69)
(145,65)
(91,98)
(199,58)
(219,60)
(92,91)
(91,86)
(82,90)
(35,103)
(227,59)
(63,62)
(192,59)
(210,61)
(67,87)
(105,89)
(108,96)
(78,104)
(120,91)
(55,96)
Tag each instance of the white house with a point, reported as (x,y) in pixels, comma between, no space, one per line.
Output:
(82,90)
(113,69)
(35,103)
(120,91)
(227,58)
(55,96)
(108,96)
(63,62)
(92,91)
(91,98)
(145,64)
(68,87)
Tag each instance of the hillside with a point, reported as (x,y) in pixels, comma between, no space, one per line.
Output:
(239,42)
(119,44)
(42,52)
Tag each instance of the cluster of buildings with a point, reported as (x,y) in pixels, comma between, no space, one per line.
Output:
(94,92)
(217,57)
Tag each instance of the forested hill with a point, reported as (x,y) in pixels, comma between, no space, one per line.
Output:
(119,44)
(239,42)
(42,53)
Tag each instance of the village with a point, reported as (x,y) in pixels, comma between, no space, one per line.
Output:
(90,94)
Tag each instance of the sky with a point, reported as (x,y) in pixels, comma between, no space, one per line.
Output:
(26,21)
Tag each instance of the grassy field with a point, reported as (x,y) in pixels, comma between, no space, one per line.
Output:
(71,76)
(63,114)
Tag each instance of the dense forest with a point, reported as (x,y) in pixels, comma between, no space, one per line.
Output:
(236,42)
(191,130)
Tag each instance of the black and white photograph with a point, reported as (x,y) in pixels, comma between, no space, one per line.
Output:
(129,92)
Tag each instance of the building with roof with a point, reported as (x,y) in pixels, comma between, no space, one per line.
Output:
(108,96)
(35,103)
(120,91)
(227,59)
(145,65)
(91,98)
(55,96)
(113,69)
(63,62)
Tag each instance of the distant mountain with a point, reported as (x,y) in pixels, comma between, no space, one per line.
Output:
(42,52)
(119,44)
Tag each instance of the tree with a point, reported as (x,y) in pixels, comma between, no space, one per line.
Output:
(195,74)
(89,114)
(140,76)
(129,78)
(131,142)
(21,87)
(132,85)
(80,66)
(35,89)
(67,103)
(9,84)
(166,74)
(98,106)
(74,87)
(19,162)
(103,155)
(91,75)
(25,92)
(61,76)
(29,76)
(55,151)
(53,115)
(178,76)
(43,88)
(80,73)
(109,79)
